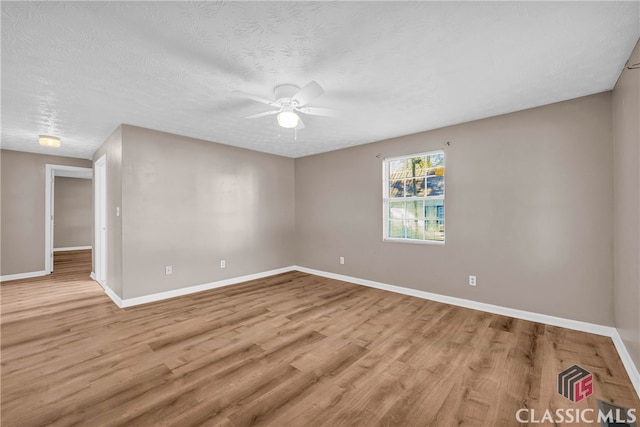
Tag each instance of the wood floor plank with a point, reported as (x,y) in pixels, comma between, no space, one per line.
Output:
(287,350)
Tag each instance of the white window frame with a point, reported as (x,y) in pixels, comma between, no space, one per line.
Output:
(386,199)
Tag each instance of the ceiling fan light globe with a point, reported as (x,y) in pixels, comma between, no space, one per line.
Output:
(288,119)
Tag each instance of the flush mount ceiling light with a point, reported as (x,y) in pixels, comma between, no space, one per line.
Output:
(287,118)
(49,141)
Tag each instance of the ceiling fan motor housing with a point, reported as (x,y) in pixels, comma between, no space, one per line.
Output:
(284,93)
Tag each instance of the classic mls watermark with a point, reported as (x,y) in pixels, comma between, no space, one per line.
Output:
(576,383)
(576,415)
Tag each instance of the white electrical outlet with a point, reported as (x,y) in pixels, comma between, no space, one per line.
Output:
(223,264)
(472,280)
(341,260)
(168,270)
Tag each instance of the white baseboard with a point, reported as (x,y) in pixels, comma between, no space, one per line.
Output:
(592,328)
(114,297)
(460,302)
(632,369)
(72,248)
(107,290)
(18,276)
(130,302)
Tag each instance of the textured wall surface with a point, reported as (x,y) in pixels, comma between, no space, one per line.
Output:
(626,131)
(191,203)
(73,213)
(23,222)
(529,211)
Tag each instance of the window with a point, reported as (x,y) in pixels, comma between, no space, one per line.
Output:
(413,195)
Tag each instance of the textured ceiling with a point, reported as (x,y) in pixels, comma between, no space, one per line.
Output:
(79,69)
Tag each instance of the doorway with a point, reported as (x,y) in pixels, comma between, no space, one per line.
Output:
(51,172)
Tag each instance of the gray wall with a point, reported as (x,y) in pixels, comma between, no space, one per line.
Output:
(73,214)
(23,192)
(112,148)
(191,203)
(528,211)
(626,131)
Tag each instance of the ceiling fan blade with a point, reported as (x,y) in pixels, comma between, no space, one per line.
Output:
(308,93)
(300,124)
(266,113)
(256,98)
(319,111)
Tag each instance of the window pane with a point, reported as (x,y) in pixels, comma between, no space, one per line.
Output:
(409,188)
(415,230)
(434,209)
(396,165)
(436,171)
(396,229)
(434,230)
(435,160)
(419,187)
(435,186)
(417,166)
(396,188)
(399,169)
(396,210)
(414,210)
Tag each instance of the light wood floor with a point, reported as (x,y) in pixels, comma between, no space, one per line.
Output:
(289,350)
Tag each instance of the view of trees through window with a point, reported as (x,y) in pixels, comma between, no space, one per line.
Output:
(414,197)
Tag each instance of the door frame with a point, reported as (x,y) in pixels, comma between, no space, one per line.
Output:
(51,171)
(99,271)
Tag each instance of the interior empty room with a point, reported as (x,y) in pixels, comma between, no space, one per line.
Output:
(320,213)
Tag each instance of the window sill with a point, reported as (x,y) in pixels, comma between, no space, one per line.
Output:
(414,242)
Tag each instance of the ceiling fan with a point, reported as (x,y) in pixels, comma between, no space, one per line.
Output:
(289,101)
